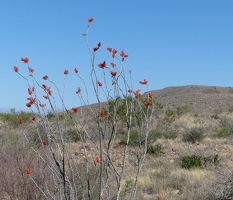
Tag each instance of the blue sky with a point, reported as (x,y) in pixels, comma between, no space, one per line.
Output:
(169,42)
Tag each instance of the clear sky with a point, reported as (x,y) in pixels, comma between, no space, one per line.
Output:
(169,42)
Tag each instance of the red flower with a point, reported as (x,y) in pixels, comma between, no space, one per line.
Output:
(102,65)
(16,69)
(110,49)
(46,97)
(31,101)
(122,54)
(90,19)
(78,90)
(27,171)
(97,159)
(42,105)
(143,82)
(150,94)
(99,83)
(21,121)
(147,103)
(31,70)
(33,120)
(47,89)
(44,143)
(25,60)
(45,77)
(75,109)
(99,44)
(114,51)
(95,49)
(102,114)
(66,72)
(76,70)
(113,64)
(30,91)
(137,95)
(113,73)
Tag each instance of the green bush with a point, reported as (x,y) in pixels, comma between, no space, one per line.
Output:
(193,135)
(171,134)
(135,138)
(157,149)
(72,136)
(12,117)
(222,132)
(155,134)
(170,115)
(189,162)
(181,110)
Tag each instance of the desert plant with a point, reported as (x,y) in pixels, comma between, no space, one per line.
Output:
(170,115)
(192,161)
(157,149)
(181,110)
(194,134)
(98,177)
(222,132)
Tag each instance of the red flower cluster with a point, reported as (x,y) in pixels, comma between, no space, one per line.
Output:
(143,82)
(16,69)
(25,60)
(78,90)
(150,94)
(147,103)
(42,105)
(97,47)
(44,142)
(31,70)
(31,90)
(102,114)
(27,171)
(99,83)
(102,65)
(113,51)
(75,109)
(66,72)
(137,95)
(47,89)
(97,159)
(90,19)
(113,64)
(123,55)
(46,97)
(113,73)
(76,70)
(33,120)
(21,121)
(31,101)
(45,77)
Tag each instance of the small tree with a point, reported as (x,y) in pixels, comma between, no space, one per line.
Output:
(97,177)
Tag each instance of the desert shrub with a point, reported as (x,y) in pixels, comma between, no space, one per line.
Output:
(157,149)
(12,117)
(192,161)
(170,115)
(171,134)
(222,132)
(194,134)
(135,138)
(155,134)
(181,110)
(72,136)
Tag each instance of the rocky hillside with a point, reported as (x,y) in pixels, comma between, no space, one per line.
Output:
(204,99)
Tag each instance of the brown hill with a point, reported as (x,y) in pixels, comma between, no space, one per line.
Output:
(204,99)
